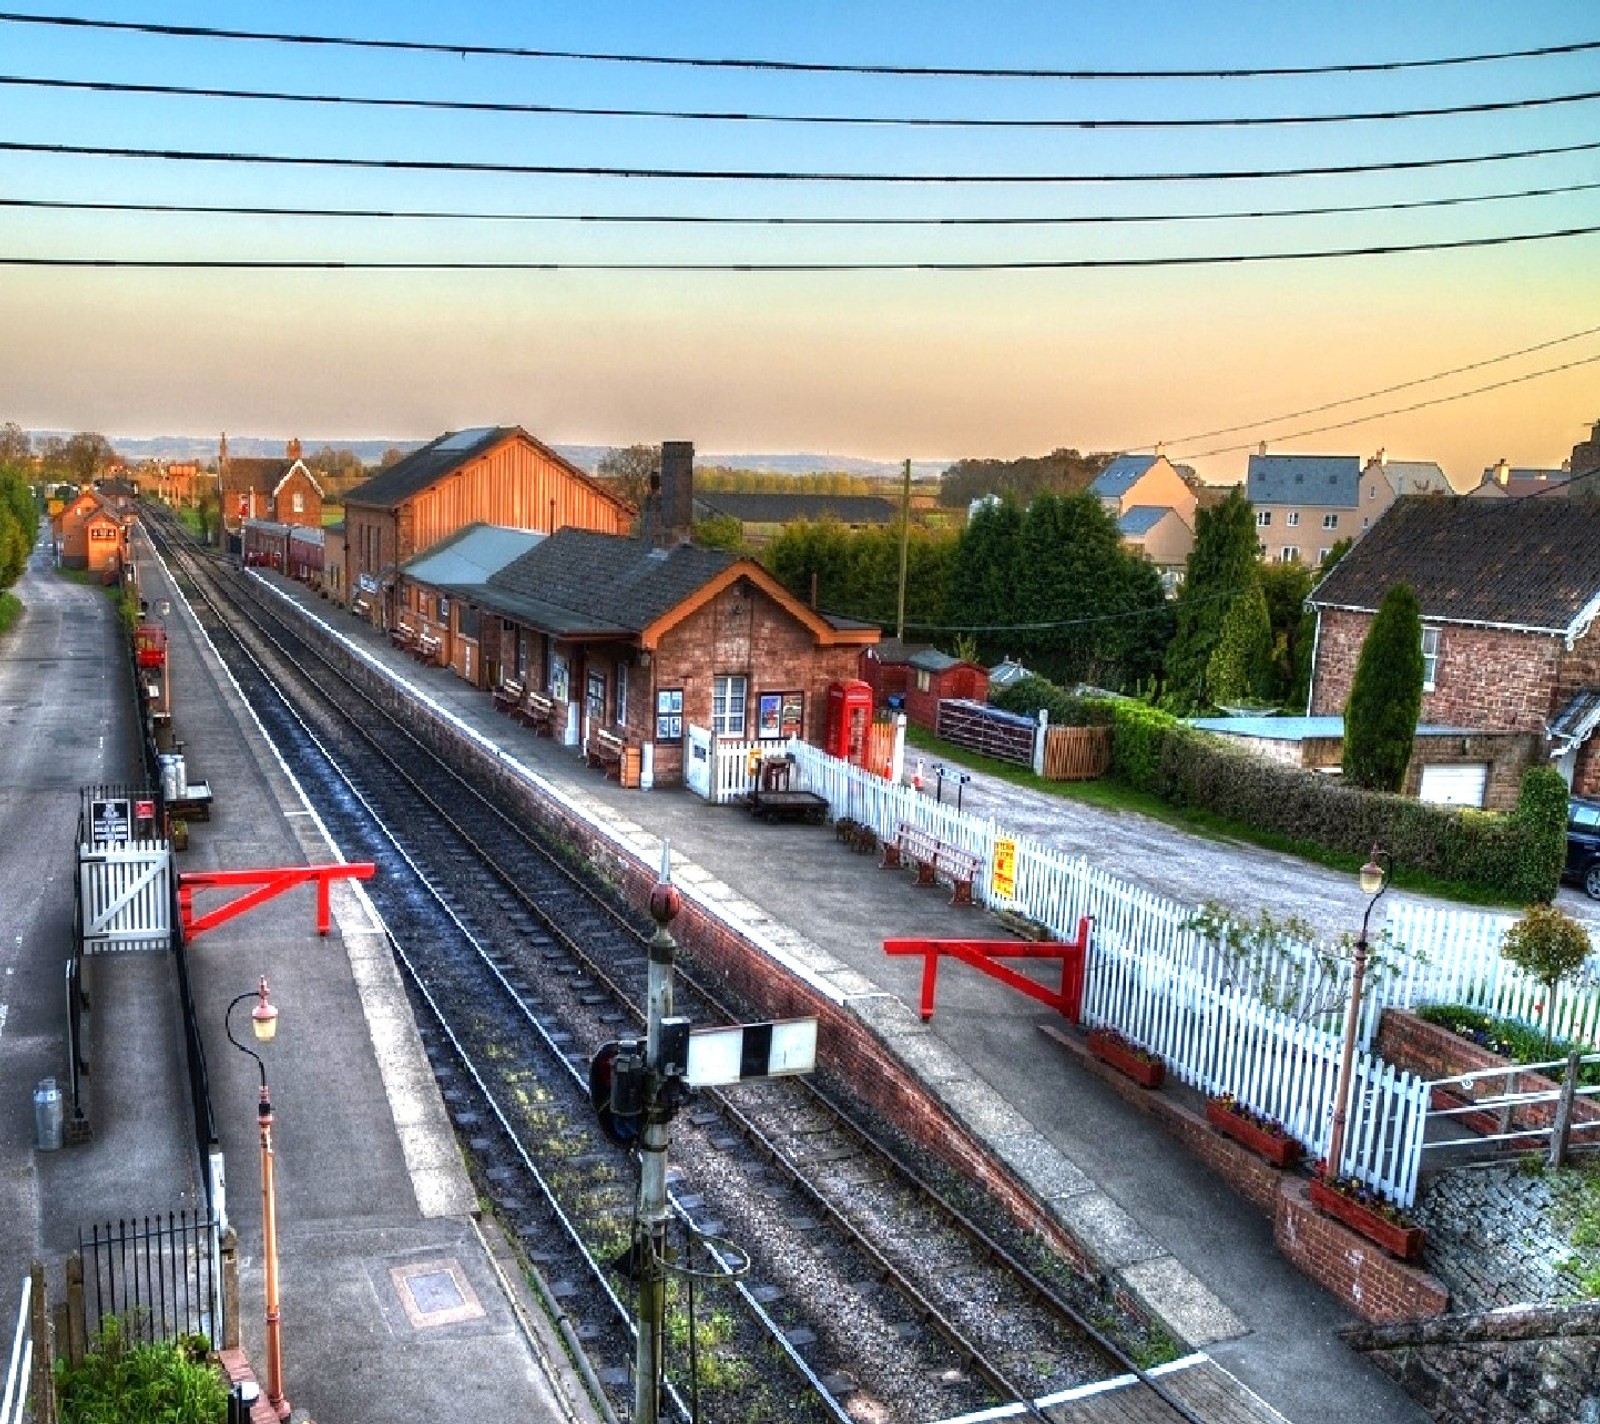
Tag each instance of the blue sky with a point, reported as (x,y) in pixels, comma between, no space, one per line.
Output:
(880,363)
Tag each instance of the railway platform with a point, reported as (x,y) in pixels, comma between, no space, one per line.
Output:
(1156,1219)
(397,1301)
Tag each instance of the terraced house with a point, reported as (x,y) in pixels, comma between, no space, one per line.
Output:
(1305,504)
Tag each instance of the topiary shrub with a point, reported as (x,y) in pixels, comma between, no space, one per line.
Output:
(1541,822)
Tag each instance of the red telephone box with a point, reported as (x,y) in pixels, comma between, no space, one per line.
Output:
(849,717)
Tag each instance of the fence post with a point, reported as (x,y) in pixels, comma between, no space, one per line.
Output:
(77,1321)
(229,1251)
(1041,734)
(43,1385)
(1563,1123)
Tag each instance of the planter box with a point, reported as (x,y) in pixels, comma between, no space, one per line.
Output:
(1275,1147)
(1146,1071)
(1403,1242)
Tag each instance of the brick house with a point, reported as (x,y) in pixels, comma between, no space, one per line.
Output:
(489,475)
(91,535)
(283,491)
(629,637)
(1510,591)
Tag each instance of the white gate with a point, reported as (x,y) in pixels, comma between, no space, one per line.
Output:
(125,897)
(697,761)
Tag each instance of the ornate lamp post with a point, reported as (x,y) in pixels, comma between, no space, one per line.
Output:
(264,1023)
(1374,881)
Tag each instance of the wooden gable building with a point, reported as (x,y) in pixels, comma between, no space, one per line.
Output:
(491,475)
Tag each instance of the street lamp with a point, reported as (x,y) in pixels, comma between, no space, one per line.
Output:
(264,1023)
(1374,881)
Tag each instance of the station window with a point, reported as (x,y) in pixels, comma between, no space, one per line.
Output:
(727,705)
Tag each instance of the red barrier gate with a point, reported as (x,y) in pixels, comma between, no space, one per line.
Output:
(986,954)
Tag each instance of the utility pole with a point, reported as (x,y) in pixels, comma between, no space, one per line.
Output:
(905,549)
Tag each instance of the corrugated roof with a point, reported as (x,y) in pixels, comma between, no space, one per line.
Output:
(583,580)
(1526,563)
(1299,729)
(409,477)
(1304,479)
(470,556)
(1121,475)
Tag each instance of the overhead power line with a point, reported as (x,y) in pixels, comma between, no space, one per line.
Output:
(774,175)
(1390,390)
(776,220)
(462,50)
(1405,409)
(1065,264)
(484,106)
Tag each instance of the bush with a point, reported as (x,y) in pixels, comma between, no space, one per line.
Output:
(1029,694)
(1509,1038)
(122,1379)
(1541,822)
(1138,733)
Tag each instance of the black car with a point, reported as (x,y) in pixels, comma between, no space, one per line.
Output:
(1583,846)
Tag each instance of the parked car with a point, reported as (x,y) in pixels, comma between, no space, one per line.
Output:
(1583,846)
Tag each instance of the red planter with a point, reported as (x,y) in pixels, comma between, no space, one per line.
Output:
(1404,1242)
(1278,1148)
(1145,1070)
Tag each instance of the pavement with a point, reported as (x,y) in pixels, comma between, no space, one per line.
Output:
(395,1298)
(1199,1254)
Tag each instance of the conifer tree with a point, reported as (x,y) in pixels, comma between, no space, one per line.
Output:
(1380,718)
(1221,566)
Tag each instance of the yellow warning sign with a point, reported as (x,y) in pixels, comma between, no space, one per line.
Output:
(1003,874)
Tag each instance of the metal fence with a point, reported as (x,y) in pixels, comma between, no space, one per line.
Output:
(160,1276)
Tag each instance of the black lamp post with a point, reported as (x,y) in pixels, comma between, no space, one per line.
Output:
(1374,881)
(264,1023)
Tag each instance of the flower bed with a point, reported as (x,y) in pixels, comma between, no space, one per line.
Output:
(1263,1136)
(1127,1057)
(1364,1212)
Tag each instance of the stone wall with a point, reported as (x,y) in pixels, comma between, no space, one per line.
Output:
(1522,1365)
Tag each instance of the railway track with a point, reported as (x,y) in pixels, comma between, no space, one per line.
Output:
(820,1275)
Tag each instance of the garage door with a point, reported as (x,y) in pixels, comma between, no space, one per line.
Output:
(1454,785)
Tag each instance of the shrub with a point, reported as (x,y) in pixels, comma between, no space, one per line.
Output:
(1541,822)
(1380,719)
(1029,694)
(1137,737)
(122,1378)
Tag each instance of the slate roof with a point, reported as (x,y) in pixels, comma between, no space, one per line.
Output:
(1333,480)
(787,508)
(1121,475)
(894,652)
(932,660)
(407,478)
(577,581)
(1416,477)
(470,556)
(261,473)
(1574,723)
(1522,563)
(1135,523)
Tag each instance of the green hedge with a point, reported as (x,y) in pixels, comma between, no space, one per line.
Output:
(1516,857)
(1027,695)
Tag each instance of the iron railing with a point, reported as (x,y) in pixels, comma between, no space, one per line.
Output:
(158,1275)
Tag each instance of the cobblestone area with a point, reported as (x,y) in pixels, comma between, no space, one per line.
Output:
(1498,1234)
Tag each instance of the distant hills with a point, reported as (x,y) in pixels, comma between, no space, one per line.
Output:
(585,457)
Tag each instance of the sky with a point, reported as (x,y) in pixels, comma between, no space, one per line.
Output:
(928,364)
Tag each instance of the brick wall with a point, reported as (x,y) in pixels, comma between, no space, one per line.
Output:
(1515,1366)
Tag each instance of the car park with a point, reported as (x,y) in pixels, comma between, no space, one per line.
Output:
(1583,846)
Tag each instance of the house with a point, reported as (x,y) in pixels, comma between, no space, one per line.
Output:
(497,475)
(1162,537)
(1504,481)
(762,517)
(283,491)
(1510,591)
(1305,504)
(91,535)
(1145,481)
(643,641)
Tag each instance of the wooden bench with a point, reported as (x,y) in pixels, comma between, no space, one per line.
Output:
(404,637)
(428,648)
(537,711)
(508,696)
(605,751)
(932,860)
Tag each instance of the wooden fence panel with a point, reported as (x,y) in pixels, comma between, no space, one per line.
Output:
(1076,753)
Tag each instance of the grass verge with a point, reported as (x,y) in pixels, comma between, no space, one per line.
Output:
(10,610)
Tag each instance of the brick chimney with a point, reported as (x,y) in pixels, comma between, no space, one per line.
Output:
(293,448)
(1382,458)
(676,518)
(1502,473)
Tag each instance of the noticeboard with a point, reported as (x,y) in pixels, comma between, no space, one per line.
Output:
(108,822)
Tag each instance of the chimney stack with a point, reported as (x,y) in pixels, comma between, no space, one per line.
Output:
(677,493)
(1261,449)
(293,448)
(1502,473)
(1383,458)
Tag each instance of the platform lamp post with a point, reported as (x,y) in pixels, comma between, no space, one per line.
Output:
(264,1023)
(1374,881)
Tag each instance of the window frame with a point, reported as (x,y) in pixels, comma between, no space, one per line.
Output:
(726,720)
(1431,633)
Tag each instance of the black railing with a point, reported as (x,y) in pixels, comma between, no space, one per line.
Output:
(205,1121)
(157,1275)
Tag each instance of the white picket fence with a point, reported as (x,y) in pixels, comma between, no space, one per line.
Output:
(124,897)
(1453,957)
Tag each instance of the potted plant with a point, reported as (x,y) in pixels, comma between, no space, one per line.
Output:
(1368,1214)
(1127,1057)
(1264,1136)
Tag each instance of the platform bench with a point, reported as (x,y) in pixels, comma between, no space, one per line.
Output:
(911,846)
(538,711)
(605,751)
(508,696)
(957,868)
(404,637)
(428,648)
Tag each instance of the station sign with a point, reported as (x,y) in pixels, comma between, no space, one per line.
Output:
(108,822)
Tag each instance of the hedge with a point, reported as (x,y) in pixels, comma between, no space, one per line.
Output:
(1516,857)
